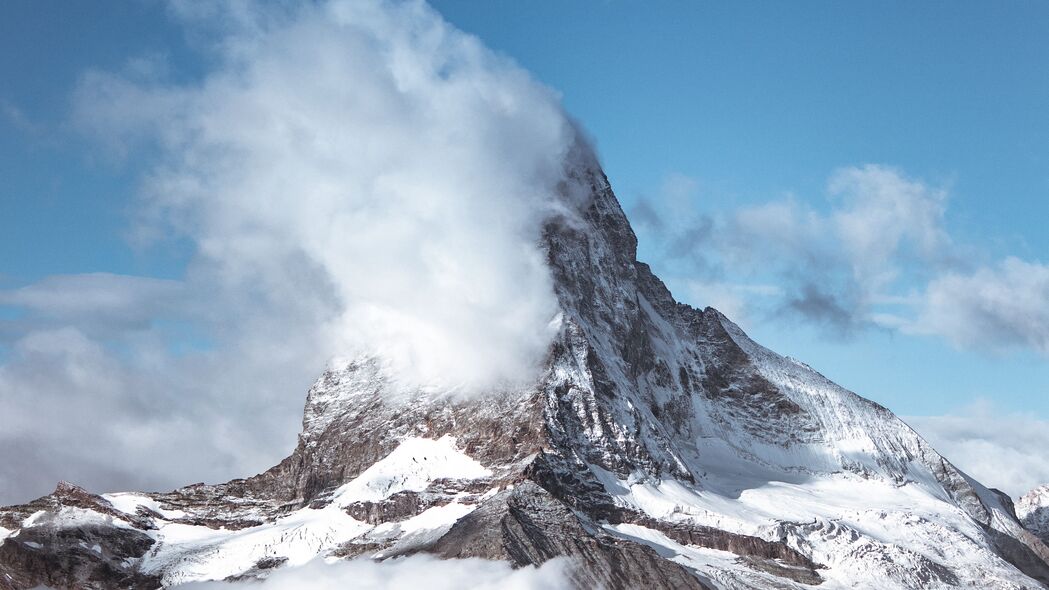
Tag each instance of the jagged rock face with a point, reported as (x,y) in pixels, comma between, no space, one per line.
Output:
(659,447)
(526,525)
(1033,511)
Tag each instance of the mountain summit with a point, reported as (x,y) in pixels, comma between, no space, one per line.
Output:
(660,447)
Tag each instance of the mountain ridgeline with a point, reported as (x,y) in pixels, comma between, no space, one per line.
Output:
(660,447)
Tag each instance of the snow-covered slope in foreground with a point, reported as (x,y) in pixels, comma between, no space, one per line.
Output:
(659,448)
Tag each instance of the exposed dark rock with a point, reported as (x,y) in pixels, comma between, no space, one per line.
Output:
(86,556)
(1028,554)
(528,526)
(397,507)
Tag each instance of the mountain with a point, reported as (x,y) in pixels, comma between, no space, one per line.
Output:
(659,448)
(1033,511)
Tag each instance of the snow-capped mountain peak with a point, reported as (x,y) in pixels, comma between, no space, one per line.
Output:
(660,447)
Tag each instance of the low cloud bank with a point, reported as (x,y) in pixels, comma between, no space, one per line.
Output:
(418,571)
(1004,450)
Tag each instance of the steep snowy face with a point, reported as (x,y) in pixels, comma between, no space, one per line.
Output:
(1033,511)
(692,383)
(651,412)
(659,447)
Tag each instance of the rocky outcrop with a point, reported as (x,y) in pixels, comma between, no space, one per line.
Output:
(1033,511)
(526,525)
(69,540)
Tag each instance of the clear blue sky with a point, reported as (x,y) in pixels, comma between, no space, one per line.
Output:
(752,100)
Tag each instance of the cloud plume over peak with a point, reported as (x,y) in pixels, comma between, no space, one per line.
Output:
(370,157)
(353,177)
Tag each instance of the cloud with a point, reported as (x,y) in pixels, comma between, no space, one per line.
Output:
(1003,306)
(999,449)
(417,571)
(823,307)
(104,299)
(141,405)
(18,119)
(882,217)
(876,254)
(835,262)
(731,299)
(371,153)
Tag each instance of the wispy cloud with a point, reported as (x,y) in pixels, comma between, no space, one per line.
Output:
(103,300)
(876,253)
(18,119)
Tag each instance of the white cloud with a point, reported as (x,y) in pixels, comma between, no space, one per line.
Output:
(369,152)
(134,406)
(837,263)
(417,571)
(1000,449)
(103,298)
(785,229)
(1004,306)
(882,214)
(876,254)
(733,300)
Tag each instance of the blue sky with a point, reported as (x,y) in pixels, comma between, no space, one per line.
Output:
(737,105)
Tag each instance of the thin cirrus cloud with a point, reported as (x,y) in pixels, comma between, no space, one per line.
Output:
(353,177)
(876,255)
(107,300)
